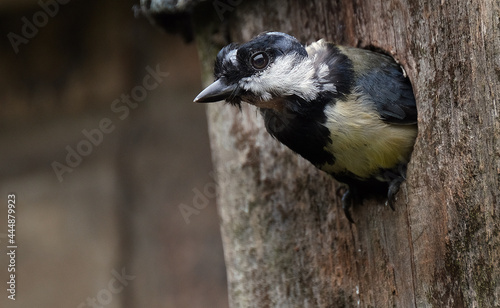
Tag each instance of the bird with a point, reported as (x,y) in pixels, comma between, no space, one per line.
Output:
(349,111)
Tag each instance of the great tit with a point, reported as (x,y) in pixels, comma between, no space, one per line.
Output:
(351,112)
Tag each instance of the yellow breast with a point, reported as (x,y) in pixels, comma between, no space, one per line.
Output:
(361,142)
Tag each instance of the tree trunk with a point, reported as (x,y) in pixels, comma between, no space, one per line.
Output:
(286,240)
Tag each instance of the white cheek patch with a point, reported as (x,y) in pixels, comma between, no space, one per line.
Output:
(288,75)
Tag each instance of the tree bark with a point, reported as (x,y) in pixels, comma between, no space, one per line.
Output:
(286,240)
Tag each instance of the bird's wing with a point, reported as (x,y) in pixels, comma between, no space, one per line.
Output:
(381,79)
(372,74)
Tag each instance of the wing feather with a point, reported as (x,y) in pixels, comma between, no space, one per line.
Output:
(372,74)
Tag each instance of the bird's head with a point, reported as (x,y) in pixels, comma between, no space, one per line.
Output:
(262,72)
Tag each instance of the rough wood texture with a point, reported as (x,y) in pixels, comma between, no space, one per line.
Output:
(287,242)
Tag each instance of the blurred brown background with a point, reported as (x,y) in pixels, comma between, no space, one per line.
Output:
(116,213)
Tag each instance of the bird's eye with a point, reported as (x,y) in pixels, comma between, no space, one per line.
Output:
(259,60)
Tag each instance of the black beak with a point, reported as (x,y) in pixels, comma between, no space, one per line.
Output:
(215,92)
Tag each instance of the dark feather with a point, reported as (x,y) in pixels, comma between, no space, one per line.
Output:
(382,80)
(301,129)
(340,70)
